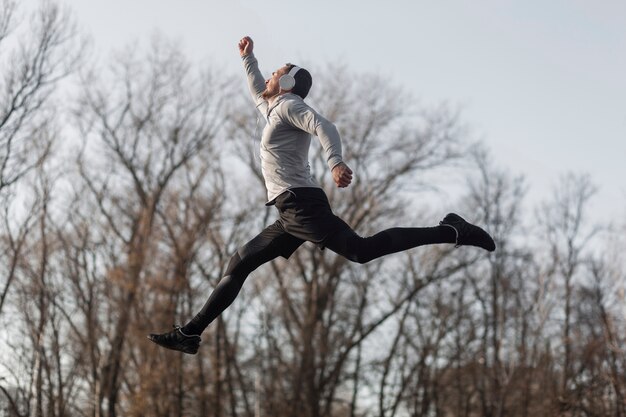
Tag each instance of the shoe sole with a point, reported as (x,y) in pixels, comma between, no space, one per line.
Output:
(188,351)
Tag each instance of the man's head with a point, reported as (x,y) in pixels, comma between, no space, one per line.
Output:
(303,82)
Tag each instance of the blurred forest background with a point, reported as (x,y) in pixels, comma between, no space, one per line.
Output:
(126,187)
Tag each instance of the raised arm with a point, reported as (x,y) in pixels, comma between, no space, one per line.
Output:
(256,83)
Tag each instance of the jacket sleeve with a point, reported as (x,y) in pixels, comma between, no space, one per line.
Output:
(256,82)
(303,117)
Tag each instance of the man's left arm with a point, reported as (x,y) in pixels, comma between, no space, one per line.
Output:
(303,117)
(331,141)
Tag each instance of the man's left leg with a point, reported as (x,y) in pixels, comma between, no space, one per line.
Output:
(306,213)
(452,229)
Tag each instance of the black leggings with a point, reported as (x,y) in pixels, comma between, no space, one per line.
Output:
(346,242)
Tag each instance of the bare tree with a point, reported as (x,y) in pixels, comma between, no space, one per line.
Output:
(35,59)
(565,222)
(45,376)
(612,367)
(36,54)
(142,130)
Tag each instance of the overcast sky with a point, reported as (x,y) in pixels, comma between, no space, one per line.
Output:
(542,82)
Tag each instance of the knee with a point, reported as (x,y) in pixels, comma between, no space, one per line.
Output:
(358,251)
(360,258)
(238,268)
(352,246)
(235,261)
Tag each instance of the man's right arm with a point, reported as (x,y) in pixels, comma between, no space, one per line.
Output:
(256,83)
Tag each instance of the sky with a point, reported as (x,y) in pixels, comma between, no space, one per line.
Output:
(541,82)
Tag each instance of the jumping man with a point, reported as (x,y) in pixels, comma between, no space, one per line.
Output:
(303,208)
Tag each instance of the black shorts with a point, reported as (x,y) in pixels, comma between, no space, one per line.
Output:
(305,215)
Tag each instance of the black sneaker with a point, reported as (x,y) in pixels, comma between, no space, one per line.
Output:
(177,340)
(467,233)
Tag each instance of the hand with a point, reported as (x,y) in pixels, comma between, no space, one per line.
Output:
(246,45)
(342,175)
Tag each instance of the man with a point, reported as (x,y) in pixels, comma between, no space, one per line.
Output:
(304,211)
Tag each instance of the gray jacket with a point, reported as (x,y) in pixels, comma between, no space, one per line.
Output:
(287,136)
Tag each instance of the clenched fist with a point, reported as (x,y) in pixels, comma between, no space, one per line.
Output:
(245,46)
(342,175)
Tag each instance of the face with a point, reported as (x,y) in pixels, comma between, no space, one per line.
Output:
(271,85)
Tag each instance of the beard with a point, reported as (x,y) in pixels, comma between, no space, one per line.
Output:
(268,94)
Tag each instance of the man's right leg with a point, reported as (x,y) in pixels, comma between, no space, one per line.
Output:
(269,244)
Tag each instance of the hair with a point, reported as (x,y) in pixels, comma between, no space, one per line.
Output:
(304,81)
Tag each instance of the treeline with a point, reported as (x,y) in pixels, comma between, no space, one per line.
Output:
(126,187)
